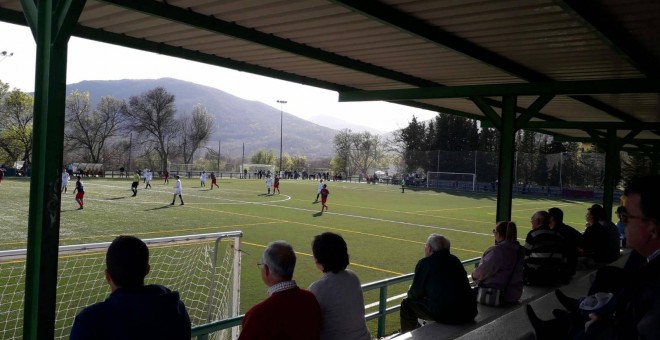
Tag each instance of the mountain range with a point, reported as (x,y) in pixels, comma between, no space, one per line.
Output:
(239,121)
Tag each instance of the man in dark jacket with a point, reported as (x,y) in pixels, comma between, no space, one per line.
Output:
(133,310)
(636,312)
(572,241)
(545,254)
(440,290)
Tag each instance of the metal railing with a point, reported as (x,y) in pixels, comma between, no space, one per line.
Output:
(202,331)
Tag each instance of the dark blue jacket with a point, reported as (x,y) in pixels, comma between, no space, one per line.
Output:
(441,285)
(147,312)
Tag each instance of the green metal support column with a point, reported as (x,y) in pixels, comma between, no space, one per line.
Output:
(51,23)
(612,166)
(507,152)
(655,161)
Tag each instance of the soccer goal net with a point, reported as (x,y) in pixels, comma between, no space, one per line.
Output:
(203,268)
(451,180)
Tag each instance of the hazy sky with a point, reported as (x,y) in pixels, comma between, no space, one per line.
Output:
(89,60)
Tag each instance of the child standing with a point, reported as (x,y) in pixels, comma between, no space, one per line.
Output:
(65,180)
(177,190)
(276,186)
(269,183)
(214,181)
(148,176)
(324,197)
(80,189)
(202,179)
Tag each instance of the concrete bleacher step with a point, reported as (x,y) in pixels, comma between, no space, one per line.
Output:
(508,322)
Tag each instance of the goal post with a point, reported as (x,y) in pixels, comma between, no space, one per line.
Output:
(203,268)
(452,180)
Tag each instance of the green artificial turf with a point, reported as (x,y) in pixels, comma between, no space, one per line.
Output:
(385,229)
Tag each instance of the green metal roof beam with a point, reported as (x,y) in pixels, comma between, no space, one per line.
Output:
(67,12)
(592,125)
(30,15)
(518,89)
(533,110)
(560,138)
(405,22)
(391,16)
(488,112)
(591,14)
(211,24)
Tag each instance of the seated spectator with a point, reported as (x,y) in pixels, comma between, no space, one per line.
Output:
(620,226)
(288,312)
(544,252)
(572,241)
(600,242)
(635,304)
(338,292)
(613,238)
(501,266)
(440,290)
(133,310)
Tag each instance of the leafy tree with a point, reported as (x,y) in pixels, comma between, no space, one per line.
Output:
(16,119)
(196,131)
(299,162)
(91,131)
(152,116)
(411,140)
(263,157)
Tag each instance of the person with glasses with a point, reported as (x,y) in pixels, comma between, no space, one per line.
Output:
(288,312)
(635,302)
(501,266)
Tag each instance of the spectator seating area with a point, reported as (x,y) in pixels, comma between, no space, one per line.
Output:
(508,322)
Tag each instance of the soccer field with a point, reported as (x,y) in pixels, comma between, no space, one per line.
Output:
(384,228)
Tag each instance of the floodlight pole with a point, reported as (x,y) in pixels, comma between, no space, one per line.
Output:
(281,102)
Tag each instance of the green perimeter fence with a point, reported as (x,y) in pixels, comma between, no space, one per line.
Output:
(204,332)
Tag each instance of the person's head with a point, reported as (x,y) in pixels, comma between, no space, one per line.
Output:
(642,216)
(436,242)
(330,252)
(325,186)
(540,218)
(277,263)
(591,216)
(506,230)
(178,177)
(321,180)
(556,217)
(619,210)
(126,262)
(598,211)
(78,177)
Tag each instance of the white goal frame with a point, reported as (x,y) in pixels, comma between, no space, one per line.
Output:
(19,255)
(474,177)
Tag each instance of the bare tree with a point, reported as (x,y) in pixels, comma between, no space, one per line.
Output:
(152,116)
(356,152)
(196,131)
(90,131)
(16,118)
